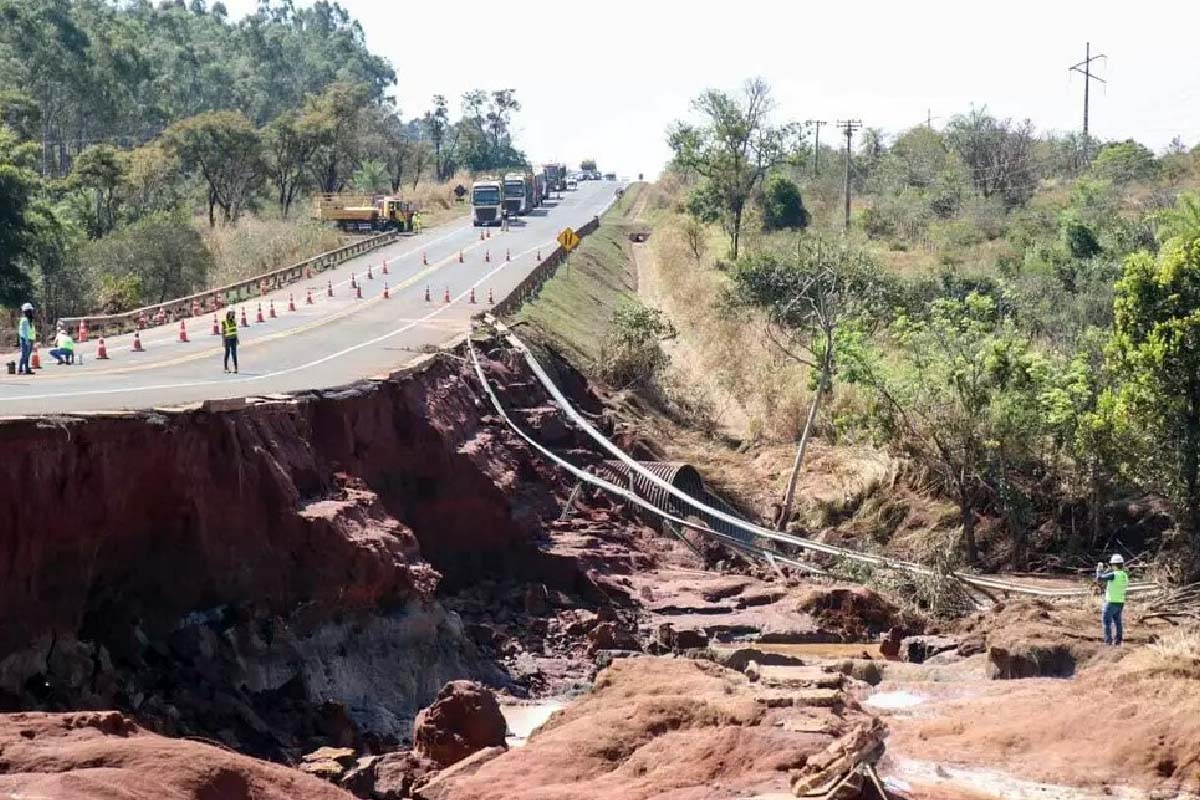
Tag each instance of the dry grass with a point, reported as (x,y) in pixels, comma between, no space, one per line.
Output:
(1175,654)
(256,245)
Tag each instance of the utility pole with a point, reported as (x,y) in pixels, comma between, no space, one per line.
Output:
(1084,68)
(848,126)
(816,123)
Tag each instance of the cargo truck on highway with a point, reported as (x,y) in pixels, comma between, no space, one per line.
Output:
(589,170)
(520,193)
(556,177)
(486,200)
(361,213)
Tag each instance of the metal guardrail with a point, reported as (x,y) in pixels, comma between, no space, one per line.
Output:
(210,300)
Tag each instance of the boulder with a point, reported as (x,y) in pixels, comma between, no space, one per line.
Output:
(889,645)
(1032,660)
(464,719)
(608,636)
(917,649)
(392,776)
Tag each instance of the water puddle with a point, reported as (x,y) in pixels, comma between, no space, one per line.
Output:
(524,719)
(893,701)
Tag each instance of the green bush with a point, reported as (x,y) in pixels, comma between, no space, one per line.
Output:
(782,205)
(631,353)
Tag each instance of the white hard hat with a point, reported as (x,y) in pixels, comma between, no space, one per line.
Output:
(27,307)
(1117,559)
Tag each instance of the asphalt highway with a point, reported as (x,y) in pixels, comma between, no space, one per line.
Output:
(333,341)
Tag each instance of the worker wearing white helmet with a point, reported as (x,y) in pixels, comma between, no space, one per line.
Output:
(26,336)
(1116,581)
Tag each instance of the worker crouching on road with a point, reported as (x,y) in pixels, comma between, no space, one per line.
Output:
(64,347)
(229,334)
(26,336)
(1116,582)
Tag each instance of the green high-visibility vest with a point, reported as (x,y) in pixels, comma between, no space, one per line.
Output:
(1115,591)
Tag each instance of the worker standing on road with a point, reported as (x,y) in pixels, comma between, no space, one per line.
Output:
(504,219)
(64,347)
(418,222)
(26,336)
(229,334)
(1116,582)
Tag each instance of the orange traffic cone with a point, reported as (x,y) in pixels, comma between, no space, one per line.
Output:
(245,324)
(216,326)
(308,301)
(370,275)
(259,317)
(539,254)
(487,256)
(384,268)
(385,291)
(37,359)
(490,300)
(137,343)
(481,234)
(308,273)
(358,292)
(507,254)
(83,331)
(183,331)
(353,281)
(271,310)
(471,299)
(291,301)
(329,290)
(427,293)
(460,256)
(101,350)
(446,297)
(425,259)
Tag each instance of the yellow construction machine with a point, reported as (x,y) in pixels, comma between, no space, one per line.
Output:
(363,213)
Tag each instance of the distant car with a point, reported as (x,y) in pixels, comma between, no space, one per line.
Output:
(612,176)
(572,184)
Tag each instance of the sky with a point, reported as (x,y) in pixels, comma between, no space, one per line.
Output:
(605,80)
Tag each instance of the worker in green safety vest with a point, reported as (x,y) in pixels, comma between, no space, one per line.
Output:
(1116,582)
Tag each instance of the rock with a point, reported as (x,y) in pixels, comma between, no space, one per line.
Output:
(889,645)
(537,600)
(916,649)
(1033,660)
(441,786)
(464,719)
(359,780)
(93,755)
(738,659)
(343,756)
(392,776)
(607,636)
(690,640)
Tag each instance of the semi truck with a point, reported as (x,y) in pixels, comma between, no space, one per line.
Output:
(486,200)
(362,213)
(522,192)
(589,170)
(556,177)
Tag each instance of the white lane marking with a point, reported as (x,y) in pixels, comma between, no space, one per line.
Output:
(290,370)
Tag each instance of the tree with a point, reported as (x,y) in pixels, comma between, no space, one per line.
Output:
(226,151)
(1122,162)
(1156,348)
(100,173)
(16,189)
(1182,221)
(735,147)
(998,153)
(151,261)
(961,391)
(338,111)
(437,123)
(806,298)
(782,205)
(289,143)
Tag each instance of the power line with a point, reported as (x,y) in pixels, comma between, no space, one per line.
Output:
(1084,68)
(848,126)
(816,123)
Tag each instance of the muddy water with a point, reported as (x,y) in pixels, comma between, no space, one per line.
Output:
(814,650)
(525,718)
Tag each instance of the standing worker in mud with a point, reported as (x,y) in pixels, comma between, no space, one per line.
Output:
(229,335)
(1116,582)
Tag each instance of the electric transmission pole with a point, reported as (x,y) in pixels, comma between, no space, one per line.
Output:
(816,123)
(1084,68)
(848,126)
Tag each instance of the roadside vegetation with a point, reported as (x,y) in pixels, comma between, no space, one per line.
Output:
(152,150)
(1011,315)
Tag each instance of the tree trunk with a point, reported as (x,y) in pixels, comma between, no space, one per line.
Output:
(789,498)
(968,525)
(212,209)
(737,231)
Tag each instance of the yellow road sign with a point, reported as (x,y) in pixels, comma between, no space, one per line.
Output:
(569,239)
